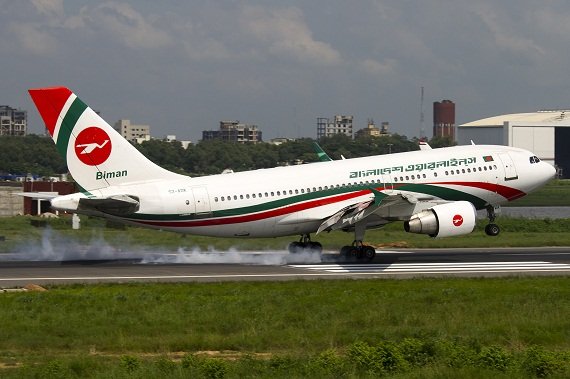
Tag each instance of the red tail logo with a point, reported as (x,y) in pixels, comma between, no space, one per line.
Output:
(93,146)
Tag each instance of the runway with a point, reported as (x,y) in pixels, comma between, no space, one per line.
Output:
(184,267)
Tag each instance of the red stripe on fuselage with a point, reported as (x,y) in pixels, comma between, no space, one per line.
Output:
(298,207)
(508,193)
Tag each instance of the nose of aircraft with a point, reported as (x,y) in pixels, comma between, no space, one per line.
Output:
(549,172)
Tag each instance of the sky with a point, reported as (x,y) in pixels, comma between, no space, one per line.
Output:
(183,66)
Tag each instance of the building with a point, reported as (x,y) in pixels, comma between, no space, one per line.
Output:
(444,119)
(234,131)
(172,138)
(10,203)
(13,122)
(546,133)
(372,131)
(340,125)
(132,132)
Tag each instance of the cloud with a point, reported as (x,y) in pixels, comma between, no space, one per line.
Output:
(51,8)
(126,24)
(283,32)
(30,37)
(374,67)
(511,40)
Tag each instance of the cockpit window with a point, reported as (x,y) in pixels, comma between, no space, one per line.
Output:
(534,159)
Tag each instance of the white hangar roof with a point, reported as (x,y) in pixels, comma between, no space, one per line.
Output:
(559,117)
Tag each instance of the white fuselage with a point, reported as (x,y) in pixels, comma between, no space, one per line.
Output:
(295,199)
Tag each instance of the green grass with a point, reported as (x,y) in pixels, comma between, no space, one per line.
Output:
(430,328)
(555,194)
(20,235)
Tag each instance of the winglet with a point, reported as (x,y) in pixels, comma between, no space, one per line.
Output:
(378,196)
(323,157)
(50,102)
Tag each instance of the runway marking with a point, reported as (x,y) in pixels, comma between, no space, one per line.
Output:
(429,268)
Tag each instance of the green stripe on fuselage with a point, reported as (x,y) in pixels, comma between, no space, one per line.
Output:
(67,125)
(434,190)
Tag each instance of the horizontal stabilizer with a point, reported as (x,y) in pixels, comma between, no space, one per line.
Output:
(37,195)
(114,205)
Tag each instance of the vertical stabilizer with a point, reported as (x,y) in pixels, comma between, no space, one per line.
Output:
(97,156)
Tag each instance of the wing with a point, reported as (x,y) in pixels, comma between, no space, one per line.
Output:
(354,213)
(380,210)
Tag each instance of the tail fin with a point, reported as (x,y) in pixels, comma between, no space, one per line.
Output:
(97,156)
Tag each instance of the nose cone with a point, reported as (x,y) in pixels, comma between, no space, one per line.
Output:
(549,172)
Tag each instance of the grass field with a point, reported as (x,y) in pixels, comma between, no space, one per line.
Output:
(20,235)
(555,194)
(427,328)
(420,328)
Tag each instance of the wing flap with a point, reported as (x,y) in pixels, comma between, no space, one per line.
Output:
(352,214)
(114,205)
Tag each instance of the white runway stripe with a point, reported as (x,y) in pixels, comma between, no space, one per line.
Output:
(437,267)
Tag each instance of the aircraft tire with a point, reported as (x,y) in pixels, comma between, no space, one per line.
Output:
(369,252)
(295,247)
(492,230)
(315,247)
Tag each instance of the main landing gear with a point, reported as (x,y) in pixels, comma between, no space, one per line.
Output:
(492,229)
(305,244)
(358,250)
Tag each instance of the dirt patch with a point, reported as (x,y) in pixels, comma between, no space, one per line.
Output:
(395,244)
(4,366)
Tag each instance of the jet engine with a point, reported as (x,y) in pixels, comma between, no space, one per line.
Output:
(444,220)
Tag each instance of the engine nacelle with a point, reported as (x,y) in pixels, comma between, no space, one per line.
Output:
(444,220)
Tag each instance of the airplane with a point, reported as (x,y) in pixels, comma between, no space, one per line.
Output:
(432,191)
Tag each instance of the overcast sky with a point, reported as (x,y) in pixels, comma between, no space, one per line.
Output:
(182,66)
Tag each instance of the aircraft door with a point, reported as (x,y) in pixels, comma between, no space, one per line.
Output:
(509,166)
(387,184)
(201,201)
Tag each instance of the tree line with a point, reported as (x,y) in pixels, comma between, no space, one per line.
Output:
(37,155)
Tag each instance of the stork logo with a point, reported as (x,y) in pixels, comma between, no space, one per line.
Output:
(93,146)
(457,220)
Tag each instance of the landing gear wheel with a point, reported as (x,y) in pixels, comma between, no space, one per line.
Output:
(369,252)
(305,244)
(492,230)
(295,247)
(358,251)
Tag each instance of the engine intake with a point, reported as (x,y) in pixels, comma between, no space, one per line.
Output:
(444,220)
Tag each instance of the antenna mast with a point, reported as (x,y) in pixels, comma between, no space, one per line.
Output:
(422,128)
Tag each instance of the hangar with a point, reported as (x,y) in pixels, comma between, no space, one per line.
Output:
(546,133)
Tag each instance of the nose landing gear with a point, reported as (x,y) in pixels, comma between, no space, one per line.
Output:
(492,229)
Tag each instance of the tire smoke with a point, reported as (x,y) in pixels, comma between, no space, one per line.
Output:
(54,247)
